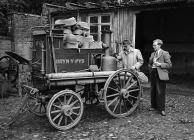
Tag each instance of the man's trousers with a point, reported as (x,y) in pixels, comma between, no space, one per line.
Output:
(158,91)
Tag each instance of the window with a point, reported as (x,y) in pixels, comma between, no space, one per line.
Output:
(99,23)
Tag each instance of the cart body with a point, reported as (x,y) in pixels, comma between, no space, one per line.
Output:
(65,79)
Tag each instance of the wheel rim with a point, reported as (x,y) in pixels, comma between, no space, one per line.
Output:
(37,104)
(122,93)
(65,110)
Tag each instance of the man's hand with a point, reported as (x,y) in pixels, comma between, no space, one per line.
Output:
(133,68)
(115,55)
(119,58)
(157,64)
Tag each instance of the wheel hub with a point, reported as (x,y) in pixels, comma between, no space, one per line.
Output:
(66,109)
(124,93)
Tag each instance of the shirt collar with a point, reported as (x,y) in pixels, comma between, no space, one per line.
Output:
(130,50)
(159,51)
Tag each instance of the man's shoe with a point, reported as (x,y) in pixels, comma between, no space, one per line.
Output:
(151,109)
(163,113)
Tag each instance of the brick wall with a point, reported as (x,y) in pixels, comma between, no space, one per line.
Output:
(5,45)
(22,26)
(22,32)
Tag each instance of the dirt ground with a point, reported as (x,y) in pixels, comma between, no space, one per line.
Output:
(96,123)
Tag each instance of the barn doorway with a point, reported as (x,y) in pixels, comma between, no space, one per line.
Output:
(176,28)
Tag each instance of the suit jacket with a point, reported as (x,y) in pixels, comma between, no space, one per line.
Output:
(164,59)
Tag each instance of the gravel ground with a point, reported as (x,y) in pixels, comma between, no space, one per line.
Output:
(96,123)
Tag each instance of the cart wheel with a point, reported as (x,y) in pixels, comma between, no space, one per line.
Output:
(8,75)
(10,67)
(19,111)
(122,92)
(65,110)
(37,104)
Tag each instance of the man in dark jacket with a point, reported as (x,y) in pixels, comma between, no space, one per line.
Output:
(159,63)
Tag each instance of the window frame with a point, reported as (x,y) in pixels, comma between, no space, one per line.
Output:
(100,24)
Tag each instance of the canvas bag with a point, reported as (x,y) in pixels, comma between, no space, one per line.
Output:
(142,77)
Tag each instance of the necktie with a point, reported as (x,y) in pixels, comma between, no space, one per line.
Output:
(157,54)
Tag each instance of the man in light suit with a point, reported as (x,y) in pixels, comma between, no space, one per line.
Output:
(130,57)
(159,63)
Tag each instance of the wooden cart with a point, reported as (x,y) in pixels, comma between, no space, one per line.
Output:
(64,80)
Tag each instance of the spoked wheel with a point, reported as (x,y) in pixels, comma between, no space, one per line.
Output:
(37,104)
(65,110)
(122,92)
(8,74)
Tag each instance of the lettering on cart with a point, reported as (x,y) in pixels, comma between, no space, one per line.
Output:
(70,61)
